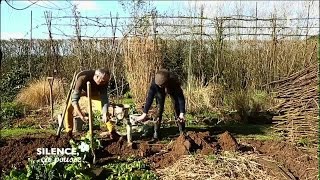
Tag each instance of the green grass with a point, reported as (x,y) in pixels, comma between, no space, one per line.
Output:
(20,132)
(240,131)
(306,142)
(259,137)
(212,157)
(127,101)
(245,129)
(252,131)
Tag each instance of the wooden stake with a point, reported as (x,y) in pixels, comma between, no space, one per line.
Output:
(50,79)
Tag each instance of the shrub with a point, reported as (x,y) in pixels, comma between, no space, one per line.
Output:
(249,104)
(11,83)
(240,101)
(201,99)
(10,111)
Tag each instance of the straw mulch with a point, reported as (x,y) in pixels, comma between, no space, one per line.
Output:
(224,166)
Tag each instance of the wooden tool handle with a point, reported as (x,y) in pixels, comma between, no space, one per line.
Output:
(67,101)
(90,120)
(90,107)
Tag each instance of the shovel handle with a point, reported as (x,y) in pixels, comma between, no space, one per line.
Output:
(90,120)
(90,107)
(67,101)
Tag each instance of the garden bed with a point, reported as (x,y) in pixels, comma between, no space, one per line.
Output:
(292,161)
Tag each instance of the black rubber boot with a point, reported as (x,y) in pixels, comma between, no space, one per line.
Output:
(115,136)
(182,127)
(70,135)
(155,137)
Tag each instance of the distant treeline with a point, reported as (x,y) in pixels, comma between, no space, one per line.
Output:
(233,64)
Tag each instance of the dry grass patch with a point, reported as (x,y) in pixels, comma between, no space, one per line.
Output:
(221,166)
(204,98)
(37,93)
(141,60)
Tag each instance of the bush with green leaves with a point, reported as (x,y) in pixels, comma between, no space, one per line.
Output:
(10,111)
(133,170)
(11,83)
(84,146)
(249,104)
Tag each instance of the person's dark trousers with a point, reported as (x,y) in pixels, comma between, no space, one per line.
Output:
(181,125)
(160,100)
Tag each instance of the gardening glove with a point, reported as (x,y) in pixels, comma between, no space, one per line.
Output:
(105,118)
(181,117)
(110,127)
(142,117)
(85,119)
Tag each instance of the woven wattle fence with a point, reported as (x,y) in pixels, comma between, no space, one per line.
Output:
(298,107)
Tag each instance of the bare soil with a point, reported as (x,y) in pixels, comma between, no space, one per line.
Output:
(15,152)
(296,162)
(228,142)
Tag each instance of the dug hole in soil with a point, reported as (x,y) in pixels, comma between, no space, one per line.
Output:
(163,155)
(15,152)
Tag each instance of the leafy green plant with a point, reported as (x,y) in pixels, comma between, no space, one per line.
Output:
(96,118)
(305,141)
(84,146)
(132,109)
(127,95)
(54,170)
(16,175)
(96,121)
(10,111)
(11,83)
(38,170)
(76,171)
(130,170)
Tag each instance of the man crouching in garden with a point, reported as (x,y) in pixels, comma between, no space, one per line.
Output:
(165,83)
(99,80)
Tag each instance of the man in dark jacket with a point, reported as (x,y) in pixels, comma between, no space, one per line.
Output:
(165,83)
(99,80)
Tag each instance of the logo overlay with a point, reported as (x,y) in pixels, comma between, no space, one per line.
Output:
(67,155)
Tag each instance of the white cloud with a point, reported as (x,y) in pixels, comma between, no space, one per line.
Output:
(86,5)
(265,8)
(12,35)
